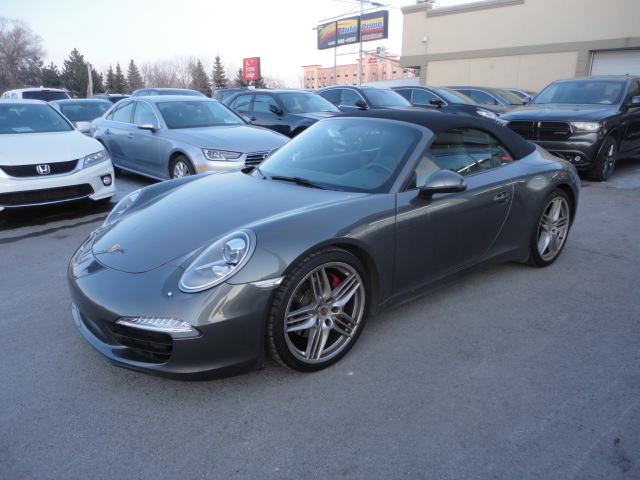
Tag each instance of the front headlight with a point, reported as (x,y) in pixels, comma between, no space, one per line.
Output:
(95,158)
(122,206)
(220,155)
(486,114)
(218,261)
(586,126)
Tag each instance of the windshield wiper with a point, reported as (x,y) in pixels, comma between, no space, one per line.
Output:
(299,181)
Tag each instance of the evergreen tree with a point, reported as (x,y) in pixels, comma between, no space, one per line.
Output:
(260,83)
(239,81)
(119,80)
(199,79)
(134,79)
(75,77)
(51,76)
(109,81)
(219,77)
(98,83)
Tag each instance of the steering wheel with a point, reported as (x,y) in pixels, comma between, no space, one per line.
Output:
(380,166)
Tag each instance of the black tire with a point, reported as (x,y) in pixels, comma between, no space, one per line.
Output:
(181,167)
(605,161)
(328,290)
(551,229)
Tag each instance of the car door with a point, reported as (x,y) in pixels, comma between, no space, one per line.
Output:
(631,120)
(145,144)
(262,115)
(114,133)
(439,236)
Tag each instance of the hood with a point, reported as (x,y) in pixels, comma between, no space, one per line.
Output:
(197,212)
(561,113)
(36,148)
(237,138)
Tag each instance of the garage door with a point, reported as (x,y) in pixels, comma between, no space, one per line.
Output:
(616,62)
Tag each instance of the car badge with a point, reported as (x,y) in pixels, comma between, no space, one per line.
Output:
(43,169)
(115,248)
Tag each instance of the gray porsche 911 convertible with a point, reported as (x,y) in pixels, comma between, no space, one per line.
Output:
(199,277)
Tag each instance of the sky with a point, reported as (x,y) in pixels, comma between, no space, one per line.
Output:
(280,32)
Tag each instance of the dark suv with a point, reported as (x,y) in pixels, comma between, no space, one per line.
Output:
(286,111)
(588,121)
(350,98)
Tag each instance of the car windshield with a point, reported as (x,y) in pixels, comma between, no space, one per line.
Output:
(178,91)
(381,97)
(38,118)
(452,96)
(307,103)
(47,96)
(83,112)
(581,92)
(349,154)
(509,97)
(197,113)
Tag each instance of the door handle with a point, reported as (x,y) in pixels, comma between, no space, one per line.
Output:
(253,119)
(502,197)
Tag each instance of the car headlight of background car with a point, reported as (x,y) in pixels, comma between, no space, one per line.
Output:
(220,155)
(586,126)
(218,261)
(487,114)
(95,158)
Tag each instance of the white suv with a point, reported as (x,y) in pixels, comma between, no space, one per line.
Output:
(46,94)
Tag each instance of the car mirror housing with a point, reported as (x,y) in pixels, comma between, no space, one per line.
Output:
(274,109)
(443,181)
(84,127)
(147,126)
(436,102)
(361,105)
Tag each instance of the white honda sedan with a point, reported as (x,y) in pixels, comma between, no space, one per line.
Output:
(45,160)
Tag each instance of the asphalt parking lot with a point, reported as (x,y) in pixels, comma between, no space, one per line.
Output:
(513,373)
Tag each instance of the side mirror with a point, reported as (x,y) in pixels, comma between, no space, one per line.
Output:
(443,181)
(274,109)
(147,126)
(526,100)
(361,105)
(437,102)
(635,100)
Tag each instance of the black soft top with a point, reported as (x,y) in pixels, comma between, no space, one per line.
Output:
(439,122)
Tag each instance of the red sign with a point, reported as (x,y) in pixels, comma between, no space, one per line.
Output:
(251,69)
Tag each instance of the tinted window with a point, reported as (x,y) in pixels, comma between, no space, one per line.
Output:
(261,103)
(242,103)
(144,115)
(422,96)
(83,112)
(462,150)
(306,103)
(123,113)
(380,97)
(31,119)
(196,113)
(582,92)
(634,91)
(481,97)
(364,156)
(349,98)
(46,96)
(331,95)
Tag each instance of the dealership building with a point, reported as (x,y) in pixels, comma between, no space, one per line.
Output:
(520,43)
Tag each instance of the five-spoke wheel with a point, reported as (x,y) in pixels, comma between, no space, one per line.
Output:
(552,229)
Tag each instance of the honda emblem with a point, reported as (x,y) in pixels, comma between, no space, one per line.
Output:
(43,169)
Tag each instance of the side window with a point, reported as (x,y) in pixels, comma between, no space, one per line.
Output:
(144,114)
(241,104)
(261,103)
(349,98)
(332,95)
(462,150)
(422,96)
(123,113)
(634,91)
(482,97)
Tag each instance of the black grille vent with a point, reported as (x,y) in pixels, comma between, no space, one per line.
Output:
(255,158)
(44,196)
(541,130)
(146,346)
(57,168)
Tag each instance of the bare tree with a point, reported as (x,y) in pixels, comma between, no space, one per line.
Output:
(21,55)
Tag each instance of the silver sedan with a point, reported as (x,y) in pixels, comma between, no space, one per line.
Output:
(175,136)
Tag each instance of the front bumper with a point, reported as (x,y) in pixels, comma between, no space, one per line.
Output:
(32,191)
(230,320)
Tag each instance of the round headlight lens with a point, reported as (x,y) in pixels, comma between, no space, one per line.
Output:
(218,261)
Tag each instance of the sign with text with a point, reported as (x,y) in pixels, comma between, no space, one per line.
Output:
(369,26)
(250,69)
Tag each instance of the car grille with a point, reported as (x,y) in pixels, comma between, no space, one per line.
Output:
(57,168)
(144,345)
(541,130)
(46,195)
(255,158)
